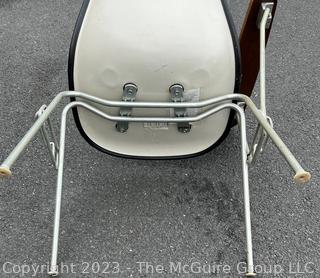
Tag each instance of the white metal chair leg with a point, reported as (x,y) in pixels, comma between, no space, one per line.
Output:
(52,146)
(53,265)
(246,192)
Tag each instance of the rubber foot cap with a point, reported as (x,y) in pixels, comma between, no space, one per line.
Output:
(302,177)
(53,273)
(5,172)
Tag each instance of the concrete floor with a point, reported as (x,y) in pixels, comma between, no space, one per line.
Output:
(125,211)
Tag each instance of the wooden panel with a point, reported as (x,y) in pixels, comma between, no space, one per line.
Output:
(250,46)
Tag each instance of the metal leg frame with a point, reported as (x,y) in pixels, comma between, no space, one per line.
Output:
(301,175)
(53,146)
(261,137)
(242,124)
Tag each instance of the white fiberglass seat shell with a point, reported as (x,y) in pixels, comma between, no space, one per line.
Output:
(153,44)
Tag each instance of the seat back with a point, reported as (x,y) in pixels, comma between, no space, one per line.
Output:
(153,44)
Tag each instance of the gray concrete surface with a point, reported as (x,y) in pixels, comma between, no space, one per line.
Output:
(126,211)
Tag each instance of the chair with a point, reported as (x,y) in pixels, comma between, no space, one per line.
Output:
(162,80)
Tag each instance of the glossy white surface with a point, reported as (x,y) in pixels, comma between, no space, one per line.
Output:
(154,44)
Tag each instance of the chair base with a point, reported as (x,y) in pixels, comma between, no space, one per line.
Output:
(215,105)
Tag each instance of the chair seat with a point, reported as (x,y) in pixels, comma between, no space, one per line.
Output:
(153,44)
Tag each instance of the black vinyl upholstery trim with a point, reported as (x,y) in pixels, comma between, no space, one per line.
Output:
(230,123)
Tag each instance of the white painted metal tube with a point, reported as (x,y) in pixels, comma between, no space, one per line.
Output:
(246,191)
(53,265)
(20,147)
(52,147)
(300,177)
(54,255)
(263,24)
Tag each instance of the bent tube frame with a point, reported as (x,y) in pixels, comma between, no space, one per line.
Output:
(261,137)
(301,175)
(242,124)
(216,104)
(52,146)
(263,24)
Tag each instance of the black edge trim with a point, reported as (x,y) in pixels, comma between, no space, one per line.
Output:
(230,123)
(72,52)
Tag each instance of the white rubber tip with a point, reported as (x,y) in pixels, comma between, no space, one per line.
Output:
(5,172)
(53,273)
(251,274)
(302,177)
